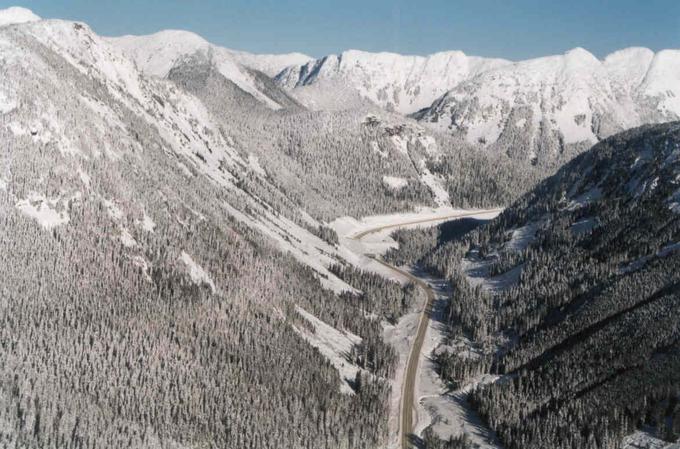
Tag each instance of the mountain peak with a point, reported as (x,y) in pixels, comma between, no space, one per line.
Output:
(17,14)
(580,54)
(189,38)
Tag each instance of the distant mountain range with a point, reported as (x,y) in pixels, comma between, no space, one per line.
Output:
(539,110)
(403,84)
(528,109)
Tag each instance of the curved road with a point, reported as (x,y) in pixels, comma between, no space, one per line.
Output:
(406,424)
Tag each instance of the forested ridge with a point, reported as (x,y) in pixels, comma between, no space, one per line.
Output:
(572,296)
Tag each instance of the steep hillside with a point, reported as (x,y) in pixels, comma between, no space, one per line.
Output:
(145,297)
(572,296)
(545,111)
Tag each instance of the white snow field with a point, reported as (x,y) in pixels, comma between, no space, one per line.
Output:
(48,212)
(196,272)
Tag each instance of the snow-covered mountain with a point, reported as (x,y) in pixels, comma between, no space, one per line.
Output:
(543,110)
(94,111)
(172,213)
(82,99)
(174,44)
(394,82)
(158,53)
(538,108)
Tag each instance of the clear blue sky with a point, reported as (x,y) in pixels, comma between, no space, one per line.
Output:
(514,29)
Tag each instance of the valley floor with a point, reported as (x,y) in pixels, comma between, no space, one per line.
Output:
(432,404)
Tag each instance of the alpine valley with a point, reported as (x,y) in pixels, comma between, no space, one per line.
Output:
(207,248)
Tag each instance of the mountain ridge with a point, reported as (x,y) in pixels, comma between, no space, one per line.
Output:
(569,300)
(393,81)
(269,64)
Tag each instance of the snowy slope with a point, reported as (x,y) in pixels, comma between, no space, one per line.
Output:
(196,142)
(395,82)
(158,53)
(121,114)
(540,108)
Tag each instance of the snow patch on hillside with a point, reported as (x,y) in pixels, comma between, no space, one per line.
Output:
(113,210)
(376,148)
(46,211)
(644,439)
(334,345)
(84,177)
(401,144)
(126,238)
(640,262)
(522,237)
(584,226)
(587,197)
(7,104)
(435,184)
(476,271)
(395,182)
(147,223)
(674,201)
(196,272)
(255,165)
